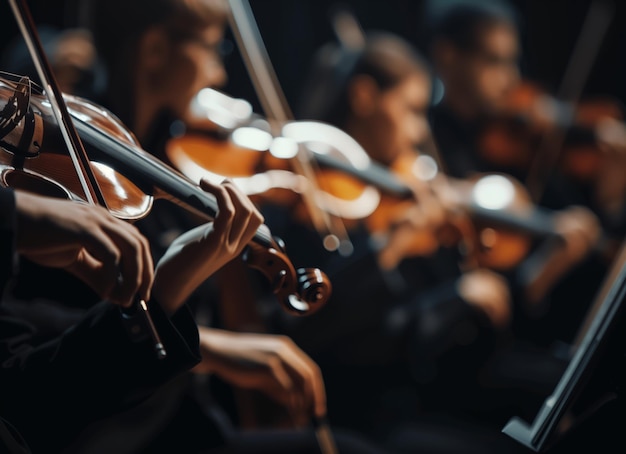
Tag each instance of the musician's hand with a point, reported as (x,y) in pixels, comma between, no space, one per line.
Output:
(609,190)
(200,252)
(268,363)
(407,237)
(108,254)
(488,292)
(413,231)
(432,209)
(580,230)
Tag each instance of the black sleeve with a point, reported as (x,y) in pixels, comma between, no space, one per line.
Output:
(432,316)
(49,392)
(370,320)
(7,235)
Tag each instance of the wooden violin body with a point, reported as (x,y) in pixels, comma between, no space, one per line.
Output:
(25,166)
(263,165)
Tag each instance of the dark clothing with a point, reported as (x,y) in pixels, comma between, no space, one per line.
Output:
(10,439)
(7,238)
(391,344)
(560,313)
(371,311)
(98,366)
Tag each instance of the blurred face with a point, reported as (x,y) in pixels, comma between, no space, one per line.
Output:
(488,73)
(193,62)
(398,123)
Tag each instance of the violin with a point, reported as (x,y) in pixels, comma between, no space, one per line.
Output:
(259,162)
(354,188)
(223,137)
(33,158)
(513,138)
(490,216)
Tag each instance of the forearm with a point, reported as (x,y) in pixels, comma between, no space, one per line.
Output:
(7,235)
(183,268)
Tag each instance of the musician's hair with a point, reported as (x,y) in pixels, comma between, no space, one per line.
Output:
(387,58)
(461,24)
(117,26)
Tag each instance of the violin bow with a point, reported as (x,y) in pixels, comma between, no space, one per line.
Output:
(347,29)
(75,147)
(272,98)
(265,81)
(59,109)
(587,46)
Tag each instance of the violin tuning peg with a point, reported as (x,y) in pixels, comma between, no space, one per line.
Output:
(280,243)
(314,287)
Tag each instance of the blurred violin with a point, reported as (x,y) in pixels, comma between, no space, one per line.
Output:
(513,139)
(493,214)
(490,215)
(564,131)
(259,162)
(223,137)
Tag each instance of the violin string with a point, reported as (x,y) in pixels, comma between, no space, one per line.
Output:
(11,115)
(75,148)
(16,81)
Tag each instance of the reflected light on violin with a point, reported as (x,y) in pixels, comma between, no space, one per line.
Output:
(284,148)
(425,168)
(332,243)
(298,304)
(319,148)
(493,192)
(332,139)
(321,140)
(120,190)
(220,109)
(252,138)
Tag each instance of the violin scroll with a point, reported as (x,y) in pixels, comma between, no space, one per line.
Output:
(301,292)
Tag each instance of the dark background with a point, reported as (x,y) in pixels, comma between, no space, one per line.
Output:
(293,29)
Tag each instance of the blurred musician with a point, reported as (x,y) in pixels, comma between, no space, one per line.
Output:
(475,50)
(397,322)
